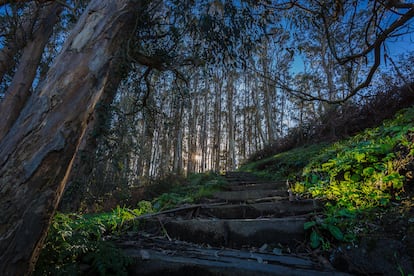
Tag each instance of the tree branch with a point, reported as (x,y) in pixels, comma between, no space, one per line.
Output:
(380,39)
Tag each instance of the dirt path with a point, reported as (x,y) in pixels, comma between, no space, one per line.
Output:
(252,228)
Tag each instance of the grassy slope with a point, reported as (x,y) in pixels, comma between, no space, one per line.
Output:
(364,171)
(365,180)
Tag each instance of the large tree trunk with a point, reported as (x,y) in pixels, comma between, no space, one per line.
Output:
(83,164)
(38,151)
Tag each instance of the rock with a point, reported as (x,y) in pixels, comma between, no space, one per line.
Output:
(375,256)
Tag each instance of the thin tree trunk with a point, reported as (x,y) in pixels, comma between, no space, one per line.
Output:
(217,127)
(203,135)
(231,149)
(148,138)
(19,89)
(178,147)
(20,36)
(38,152)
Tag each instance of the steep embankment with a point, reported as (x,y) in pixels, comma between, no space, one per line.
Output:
(366,182)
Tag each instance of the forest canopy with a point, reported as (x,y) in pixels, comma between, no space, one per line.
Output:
(105,95)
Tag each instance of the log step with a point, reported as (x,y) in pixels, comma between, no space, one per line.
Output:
(234,196)
(255,186)
(281,208)
(164,259)
(237,233)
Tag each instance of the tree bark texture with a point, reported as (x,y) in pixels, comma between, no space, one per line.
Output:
(83,163)
(37,153)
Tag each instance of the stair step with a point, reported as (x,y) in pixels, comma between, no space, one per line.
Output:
(162,263)
(255,186)
(245,195)
(238,232)
(255,210)
(249,214)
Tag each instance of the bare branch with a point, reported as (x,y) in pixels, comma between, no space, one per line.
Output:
(380,39)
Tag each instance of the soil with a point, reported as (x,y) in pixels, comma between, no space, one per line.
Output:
(385,248)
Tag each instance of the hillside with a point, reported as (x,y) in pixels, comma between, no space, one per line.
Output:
(366,182)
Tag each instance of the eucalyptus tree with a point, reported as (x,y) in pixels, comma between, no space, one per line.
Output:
(353,36)
(39,147)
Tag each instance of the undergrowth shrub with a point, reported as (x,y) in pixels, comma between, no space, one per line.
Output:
(367,170)
(355,176)
(79,244)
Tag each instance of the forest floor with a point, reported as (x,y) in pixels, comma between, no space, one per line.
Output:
(255,228)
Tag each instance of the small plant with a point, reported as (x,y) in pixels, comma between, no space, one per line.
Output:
(325,230)
(366,171)
(74,239)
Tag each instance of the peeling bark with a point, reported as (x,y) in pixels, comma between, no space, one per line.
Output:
(37,153)
(71,202)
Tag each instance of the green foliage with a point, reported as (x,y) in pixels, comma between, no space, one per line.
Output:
(323,231)
(362,173)
(197,186)
(366,171)
(106,259)
(82,239)
(75,239)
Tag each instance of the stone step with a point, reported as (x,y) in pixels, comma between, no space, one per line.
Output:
(237,233)
(245,195)
(255,210)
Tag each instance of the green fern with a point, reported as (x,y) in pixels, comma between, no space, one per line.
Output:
(74,239)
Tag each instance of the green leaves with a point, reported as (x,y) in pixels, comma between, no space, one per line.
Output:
(315,239)
(368,171)
(361,172)
(321,231)
(358,174)
(335,232)
(75,239)
(309,224)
